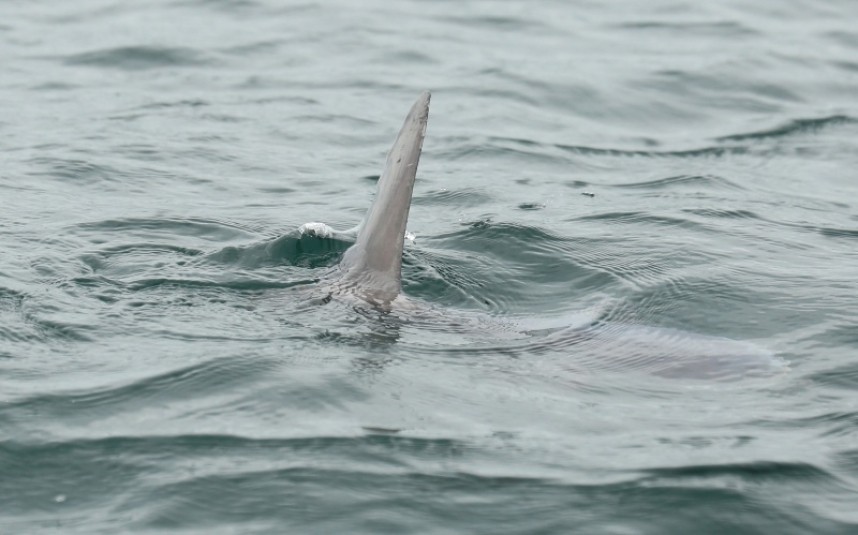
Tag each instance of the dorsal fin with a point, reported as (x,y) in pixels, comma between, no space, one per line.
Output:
(374,263)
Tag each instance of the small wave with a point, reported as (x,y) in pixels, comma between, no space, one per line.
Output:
(638,218)
(460,198)
(845,376)
(493,150)
(517,264)
(292,249)
(690,153)
(208,377)
(498,22)
(207,229)
(541,150)
(231,284)
(182,103)
(446,277)
(720,28)
(501,233)
(723,213)
(139,58)
(24,321)
(718,182)
(76,169)
(833,424)
(752,472)
(838,232)
(794,127)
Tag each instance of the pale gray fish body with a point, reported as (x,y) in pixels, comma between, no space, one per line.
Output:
(371,268)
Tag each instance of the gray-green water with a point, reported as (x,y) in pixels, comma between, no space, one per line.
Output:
(162,370)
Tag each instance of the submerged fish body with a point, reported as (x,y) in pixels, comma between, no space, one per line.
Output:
(663,352)
(369,272)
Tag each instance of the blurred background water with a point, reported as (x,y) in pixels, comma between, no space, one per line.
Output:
(673,164)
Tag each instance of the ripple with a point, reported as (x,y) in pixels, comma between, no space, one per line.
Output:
(542,151)
(638,218)
(139,58)
(37,479)
(441,277)
(492,150)
(295,250)
(845,377)
(762,472)
(515,266)
(182,103)
(140,285)
(704,152)
(506,23)
(203,379)
(696,181)
(696,28)
(794,127)
(501,234)
(460,198)
(206,229)
(838,232)
(723,213)
(77,170)
(26,320)
(12,316)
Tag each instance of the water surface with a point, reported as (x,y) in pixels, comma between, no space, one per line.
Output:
(673,165)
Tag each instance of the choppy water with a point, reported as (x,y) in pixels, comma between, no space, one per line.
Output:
(162,370)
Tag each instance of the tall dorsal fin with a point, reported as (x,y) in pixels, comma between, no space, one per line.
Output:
(374,263)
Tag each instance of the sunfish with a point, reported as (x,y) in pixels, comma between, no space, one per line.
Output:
(371,270)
